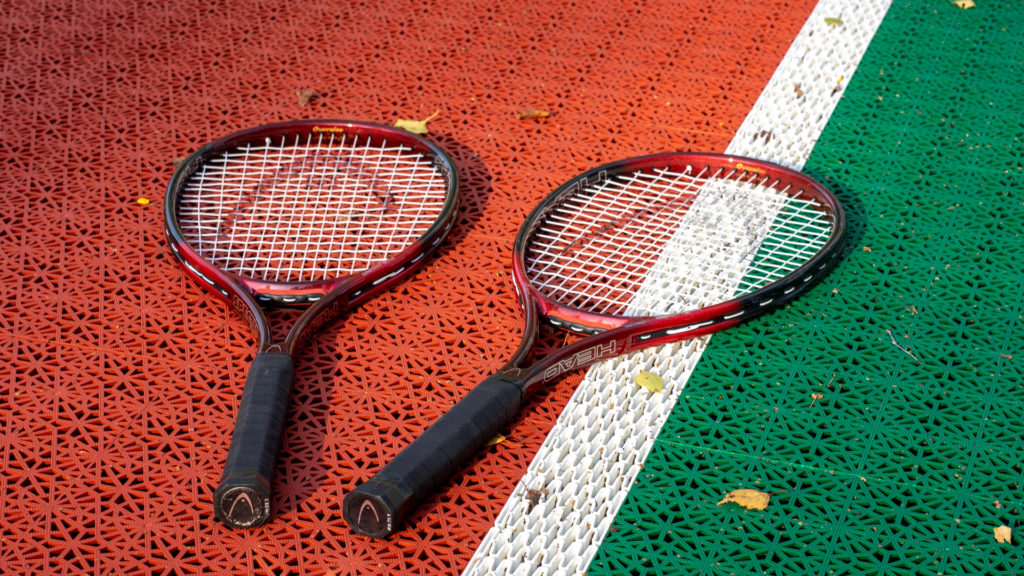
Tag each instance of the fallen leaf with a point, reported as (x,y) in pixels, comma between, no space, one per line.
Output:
(839,86)
(416,126)
(749,499)
(1002,534)
(834,21)
(799,92)
(306,95)
(496,440)
(650,381)
(142,201)
(965,4)
(533,113)
(533,497)
(177,162)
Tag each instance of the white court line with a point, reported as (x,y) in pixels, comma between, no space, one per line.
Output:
(591,458)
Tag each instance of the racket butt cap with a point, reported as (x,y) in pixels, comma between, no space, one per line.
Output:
(376,508)
(242,503)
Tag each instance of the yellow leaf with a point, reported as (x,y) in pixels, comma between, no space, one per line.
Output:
(834,21)
(965,4)
(650,381)
(496,440)
(142,201)
(1002,534)
(416,126)
(749,499)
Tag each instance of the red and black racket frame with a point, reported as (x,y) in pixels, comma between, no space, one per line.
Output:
(615,335)
(378,507)
(248,472)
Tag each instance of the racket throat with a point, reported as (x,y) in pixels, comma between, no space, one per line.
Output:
(575,357)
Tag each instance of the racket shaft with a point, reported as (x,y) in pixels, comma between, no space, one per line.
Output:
(243,498)
(377,507)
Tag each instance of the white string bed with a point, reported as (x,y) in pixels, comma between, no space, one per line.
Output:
(304,209)
(609,248)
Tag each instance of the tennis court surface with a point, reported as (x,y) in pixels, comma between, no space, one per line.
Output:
(881,411)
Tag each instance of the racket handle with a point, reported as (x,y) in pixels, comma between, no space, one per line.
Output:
(377,507)
(243,498)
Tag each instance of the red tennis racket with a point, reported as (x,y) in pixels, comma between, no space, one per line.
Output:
(321,214)
(634,254)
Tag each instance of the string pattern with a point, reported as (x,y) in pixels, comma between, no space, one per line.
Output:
(308,208)
(626,244)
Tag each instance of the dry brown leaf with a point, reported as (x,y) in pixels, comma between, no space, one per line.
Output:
(306,95)
(533,497)
(749,499)
(965,4)
(416,126)
(1003,534)
(533,113)
(650,381)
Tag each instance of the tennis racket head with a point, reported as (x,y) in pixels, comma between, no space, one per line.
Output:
(290,212)
(675,245)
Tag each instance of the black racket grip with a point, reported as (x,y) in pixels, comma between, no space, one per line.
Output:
(379,506)
(243,498)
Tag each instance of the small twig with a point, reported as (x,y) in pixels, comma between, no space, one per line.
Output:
(905,351)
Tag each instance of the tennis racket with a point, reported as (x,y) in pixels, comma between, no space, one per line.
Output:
(633,254)
(320,214)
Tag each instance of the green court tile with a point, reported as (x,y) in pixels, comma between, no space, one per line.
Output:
(883,409)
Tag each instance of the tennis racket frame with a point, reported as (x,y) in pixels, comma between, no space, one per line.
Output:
(380,505)
(248,472)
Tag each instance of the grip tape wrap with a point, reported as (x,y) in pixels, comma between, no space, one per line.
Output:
(243,498)
(377,507)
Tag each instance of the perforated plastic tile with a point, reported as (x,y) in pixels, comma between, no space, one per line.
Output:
(120,377)
(882,411)
(561,510)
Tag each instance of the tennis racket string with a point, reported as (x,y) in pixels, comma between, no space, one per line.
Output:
(310,208)
(666,242)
